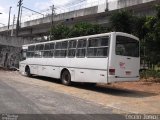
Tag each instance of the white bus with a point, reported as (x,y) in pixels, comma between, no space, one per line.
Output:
(102,58)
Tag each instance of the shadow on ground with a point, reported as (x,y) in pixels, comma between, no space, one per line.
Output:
(106,89)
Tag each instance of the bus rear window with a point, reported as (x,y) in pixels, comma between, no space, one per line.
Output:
(126,46)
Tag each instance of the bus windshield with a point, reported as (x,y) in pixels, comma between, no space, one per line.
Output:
(126,46)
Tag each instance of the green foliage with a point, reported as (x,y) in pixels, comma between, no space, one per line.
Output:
(122,21)
(158,10)
(59,32)
(152,38)
(80,29)
(125,21)
(83,29)
(150,73)
(138,27)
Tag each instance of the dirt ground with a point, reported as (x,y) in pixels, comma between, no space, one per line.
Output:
(152,87)
(126,97)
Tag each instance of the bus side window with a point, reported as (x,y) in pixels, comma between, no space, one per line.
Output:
(51,49)
(98,47)
(57,49)
(81,48)
(30,52)
(39,50)
(24,54)
(48,50)
(72,48)
(64,49)
(61,49)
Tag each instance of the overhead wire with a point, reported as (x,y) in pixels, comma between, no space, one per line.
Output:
(61,8)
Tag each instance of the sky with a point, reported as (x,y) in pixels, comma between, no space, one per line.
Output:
(37,5)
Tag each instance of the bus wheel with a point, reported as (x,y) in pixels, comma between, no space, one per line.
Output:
(66,78)
(28,73)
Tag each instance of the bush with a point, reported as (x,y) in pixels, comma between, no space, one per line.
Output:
(150,73)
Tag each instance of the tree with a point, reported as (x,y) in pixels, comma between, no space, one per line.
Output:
(83,29)
(152,38)
(59,31)
(138,28)
(122,21)
(80,29)
(125,21)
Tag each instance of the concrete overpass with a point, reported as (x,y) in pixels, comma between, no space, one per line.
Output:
(96,14)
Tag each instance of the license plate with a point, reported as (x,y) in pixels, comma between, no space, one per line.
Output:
(128,72)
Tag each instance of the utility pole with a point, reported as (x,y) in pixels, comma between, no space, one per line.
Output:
(20,16)
(13,25)
(17,26)
(9,19)
(106,5)
(9,16)
(53,12)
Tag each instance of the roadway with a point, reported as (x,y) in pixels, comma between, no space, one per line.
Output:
(28,100)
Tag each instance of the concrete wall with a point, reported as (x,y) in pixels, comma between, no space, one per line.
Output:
(63,16)
(14,41)
(9,56)
(10,50)
(125,3)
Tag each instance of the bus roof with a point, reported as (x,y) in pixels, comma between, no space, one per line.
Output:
(83,37)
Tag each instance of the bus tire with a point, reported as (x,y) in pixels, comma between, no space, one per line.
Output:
(28,72)
(66,78)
